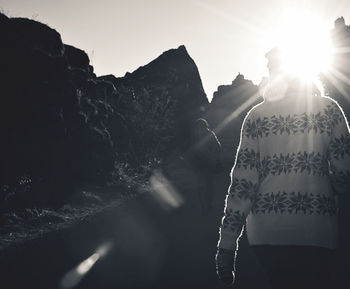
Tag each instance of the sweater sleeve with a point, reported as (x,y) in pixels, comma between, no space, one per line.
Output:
(244,186)
(339,152)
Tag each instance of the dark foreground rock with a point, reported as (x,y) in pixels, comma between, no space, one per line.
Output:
(54,130)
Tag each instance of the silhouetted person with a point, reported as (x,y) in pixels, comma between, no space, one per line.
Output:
(206,160)
(292,162)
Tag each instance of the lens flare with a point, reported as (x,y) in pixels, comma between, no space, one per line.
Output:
(73,277)
(305,43)
(164,192)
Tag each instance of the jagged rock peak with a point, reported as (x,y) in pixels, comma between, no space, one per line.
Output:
(239,77)
(173,68)
(339,22)
(239,81)
(340,34)
(172,56)
(181,50)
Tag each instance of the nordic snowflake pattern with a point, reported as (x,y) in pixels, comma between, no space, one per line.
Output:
(312,163)
(243,189)
(292,124)
(250,163)
(294,202)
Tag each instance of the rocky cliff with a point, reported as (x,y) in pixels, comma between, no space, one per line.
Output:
(62,127)
(159,102)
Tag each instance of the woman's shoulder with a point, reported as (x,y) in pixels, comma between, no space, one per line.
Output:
(256,111)
(327,101)
(327,105)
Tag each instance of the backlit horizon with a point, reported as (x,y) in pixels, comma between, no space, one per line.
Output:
(223,39)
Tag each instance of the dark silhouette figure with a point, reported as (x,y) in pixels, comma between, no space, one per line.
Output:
(292,163)
(205,158)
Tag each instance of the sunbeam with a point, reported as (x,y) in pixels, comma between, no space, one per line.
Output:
(341,76)
(164,192)
(248,103)
(337,83)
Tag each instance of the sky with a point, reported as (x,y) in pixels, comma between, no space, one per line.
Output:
(224,37)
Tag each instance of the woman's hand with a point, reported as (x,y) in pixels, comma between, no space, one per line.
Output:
(225,266)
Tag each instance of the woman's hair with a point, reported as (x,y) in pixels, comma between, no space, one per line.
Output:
(286,86)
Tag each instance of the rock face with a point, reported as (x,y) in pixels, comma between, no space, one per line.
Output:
(228,108)
(337,81)
(157,105)
(53,114)
(62,127)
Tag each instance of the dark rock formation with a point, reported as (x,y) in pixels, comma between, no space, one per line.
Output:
(77,58)
(228,108)
(62,127)
(157,105)
(53,113)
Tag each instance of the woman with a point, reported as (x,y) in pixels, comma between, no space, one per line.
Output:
(292,162)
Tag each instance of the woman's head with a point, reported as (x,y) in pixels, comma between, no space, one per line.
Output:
(275,62)
(282,83)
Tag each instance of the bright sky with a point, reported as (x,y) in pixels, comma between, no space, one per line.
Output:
(223,37)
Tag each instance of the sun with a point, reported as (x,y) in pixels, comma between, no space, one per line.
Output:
(304,40)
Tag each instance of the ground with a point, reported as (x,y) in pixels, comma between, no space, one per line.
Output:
(151,247)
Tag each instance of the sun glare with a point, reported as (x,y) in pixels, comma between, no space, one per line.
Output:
(305,44)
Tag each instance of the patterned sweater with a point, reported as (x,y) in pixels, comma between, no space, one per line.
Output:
(292,161)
